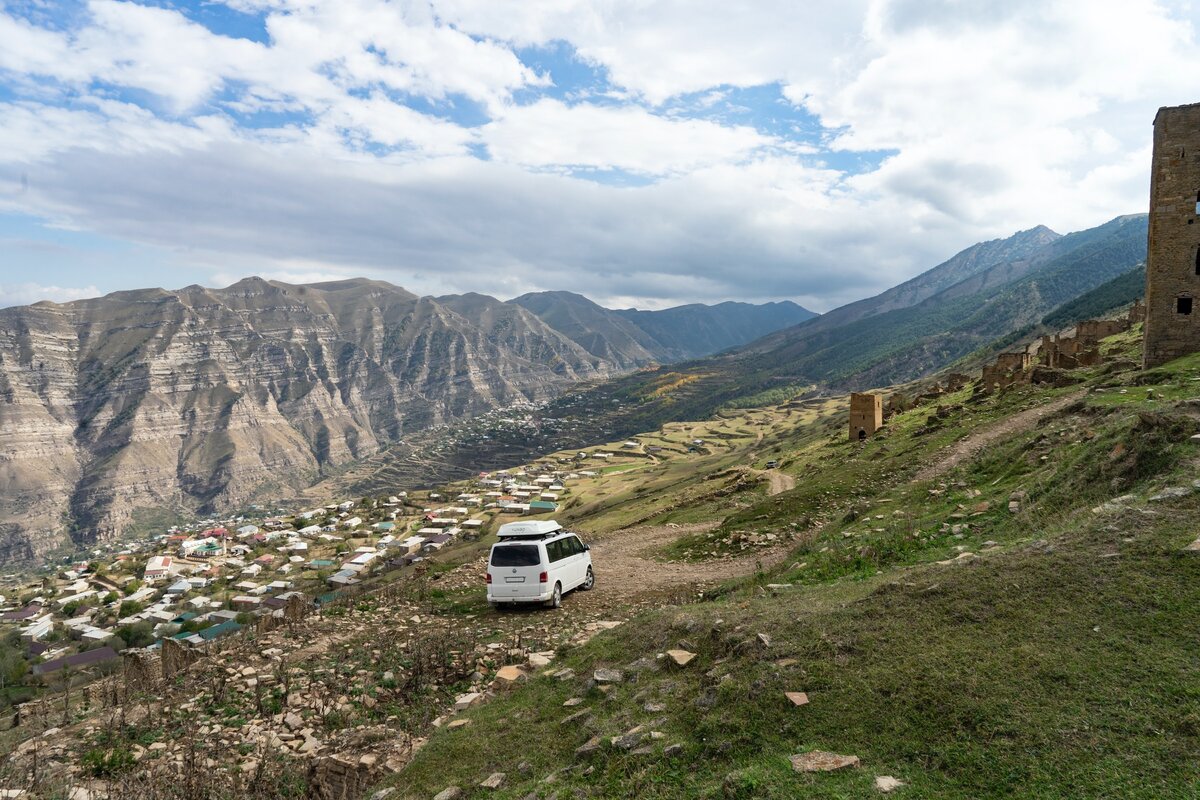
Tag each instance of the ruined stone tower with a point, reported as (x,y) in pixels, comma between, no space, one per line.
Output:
(866,415)
(1173,254)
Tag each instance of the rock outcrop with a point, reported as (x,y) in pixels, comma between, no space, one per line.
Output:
(199,398)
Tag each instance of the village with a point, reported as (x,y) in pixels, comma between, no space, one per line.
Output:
(198,584)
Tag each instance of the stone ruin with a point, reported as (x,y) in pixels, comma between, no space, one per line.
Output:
(176,657)
(138,668)
(899,403)
(1173,251)
(866,415)
(1044,361)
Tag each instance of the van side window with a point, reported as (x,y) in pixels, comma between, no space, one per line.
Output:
(555,550)
(576,545)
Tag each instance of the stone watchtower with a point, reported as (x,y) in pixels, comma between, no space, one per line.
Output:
(1173,253)
(866,415)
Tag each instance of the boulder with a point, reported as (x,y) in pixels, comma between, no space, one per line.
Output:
(821,761)
(465,701)
(680,657)
(886,783)
(589,748)
(493,781)
(607,676)
(507,676)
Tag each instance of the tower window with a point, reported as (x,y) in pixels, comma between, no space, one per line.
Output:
(1198,260)
(1183,305)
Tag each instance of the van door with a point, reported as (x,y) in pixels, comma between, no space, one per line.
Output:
(568,562)
(579,562)
(515,569)
(563,563)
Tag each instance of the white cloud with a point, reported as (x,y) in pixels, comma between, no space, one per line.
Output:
(993,117)
(550,133)
(18,294)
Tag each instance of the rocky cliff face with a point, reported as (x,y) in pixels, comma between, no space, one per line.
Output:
(196,398)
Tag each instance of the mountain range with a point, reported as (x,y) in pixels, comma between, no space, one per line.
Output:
(982,296)
(117,407)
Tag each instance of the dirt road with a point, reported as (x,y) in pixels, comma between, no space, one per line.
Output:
(779,481)
(969,447)
(628,572)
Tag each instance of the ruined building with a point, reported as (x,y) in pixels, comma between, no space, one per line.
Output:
(866,415)
(1173,254)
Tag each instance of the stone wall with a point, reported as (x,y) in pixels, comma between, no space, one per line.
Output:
(1173,252)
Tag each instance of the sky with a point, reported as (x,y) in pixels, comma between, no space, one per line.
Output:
(642,152)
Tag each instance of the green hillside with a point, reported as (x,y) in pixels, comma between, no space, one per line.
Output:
(990,600)
(1104,299)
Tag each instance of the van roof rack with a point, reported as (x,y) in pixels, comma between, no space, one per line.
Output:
(534,529)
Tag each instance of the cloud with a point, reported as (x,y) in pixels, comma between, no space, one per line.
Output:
(753,151)
(550,133)
(17,294)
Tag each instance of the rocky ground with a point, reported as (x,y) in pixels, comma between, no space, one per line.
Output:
(339,700)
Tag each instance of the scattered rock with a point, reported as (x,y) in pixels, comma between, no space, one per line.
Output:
(1116,504)
(764,640)
(821,761)
(449,793)
(576,717)
(672,750)
(458,723)
(464,701)
(572,702)
(629,740)
(607,676)
(886,783)
(681,657)
(493,781)
(589,748)
(797,698)
(1173,493)
(507,676)
(1194,547)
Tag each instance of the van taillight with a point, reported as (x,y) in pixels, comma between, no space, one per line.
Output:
(544,577)
(489,577)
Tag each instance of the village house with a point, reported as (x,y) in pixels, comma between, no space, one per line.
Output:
(157,568)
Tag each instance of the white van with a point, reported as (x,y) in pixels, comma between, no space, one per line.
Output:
(537,562)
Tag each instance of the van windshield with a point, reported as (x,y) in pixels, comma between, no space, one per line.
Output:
(516,555)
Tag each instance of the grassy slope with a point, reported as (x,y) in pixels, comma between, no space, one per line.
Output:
(1060,662)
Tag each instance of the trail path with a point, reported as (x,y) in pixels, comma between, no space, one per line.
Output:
(965,449)
(779,481)
(627,568)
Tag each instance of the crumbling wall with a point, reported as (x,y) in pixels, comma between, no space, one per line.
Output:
(175,658)
(138,668)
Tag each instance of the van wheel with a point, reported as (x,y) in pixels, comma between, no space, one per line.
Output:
(555,600)
(590,581)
